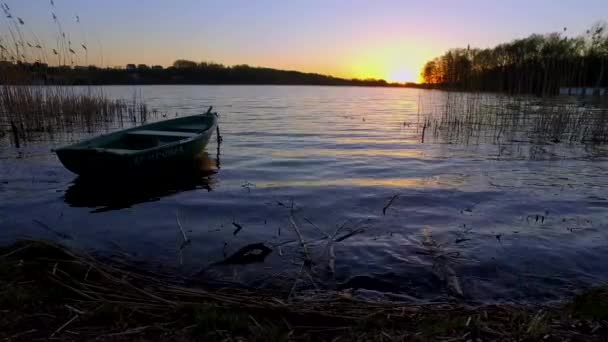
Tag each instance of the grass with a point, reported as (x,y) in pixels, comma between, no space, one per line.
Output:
(492,118)
(47,291)
(28,111)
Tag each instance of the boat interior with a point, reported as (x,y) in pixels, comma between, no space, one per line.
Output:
(141,139)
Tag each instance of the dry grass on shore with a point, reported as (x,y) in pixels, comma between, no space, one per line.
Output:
(48,292)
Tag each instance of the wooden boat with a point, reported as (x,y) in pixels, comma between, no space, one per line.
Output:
(143,149)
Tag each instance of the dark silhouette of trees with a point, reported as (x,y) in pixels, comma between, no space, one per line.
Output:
(181,72)
(184,64)
(538,64)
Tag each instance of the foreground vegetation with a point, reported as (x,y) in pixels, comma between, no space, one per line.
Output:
(538,64)
(47,291)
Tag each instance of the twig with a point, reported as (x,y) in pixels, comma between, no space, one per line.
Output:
(317,227)
(129,332)
(295,282)
(331,263)
(78,311)
(86,276)
(346,236)
(255,322)
(238,228)
(186,240)
(148,293)
(338,229)
(312,280)
(15,336)
(307,258)
(58,233)
(73,289)
(390,202)
(15,251)
(65,325)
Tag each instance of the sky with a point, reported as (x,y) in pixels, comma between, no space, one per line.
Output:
(389,39)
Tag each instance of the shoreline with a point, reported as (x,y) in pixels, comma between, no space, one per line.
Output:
(398,86)
(47,291)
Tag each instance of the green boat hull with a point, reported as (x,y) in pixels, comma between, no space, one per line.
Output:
(154,148)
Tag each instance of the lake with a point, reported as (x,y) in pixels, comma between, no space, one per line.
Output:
(423,221)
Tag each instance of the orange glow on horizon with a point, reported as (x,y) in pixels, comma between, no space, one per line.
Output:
(388,60)
(393,64)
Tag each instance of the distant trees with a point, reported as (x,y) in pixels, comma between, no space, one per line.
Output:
(184,64)
(181,72)
(538,64)
(189,72)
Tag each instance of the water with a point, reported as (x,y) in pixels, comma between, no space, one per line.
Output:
(488,222)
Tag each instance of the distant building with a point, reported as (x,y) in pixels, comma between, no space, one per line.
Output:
(157,67)
(142,66)
(131,67)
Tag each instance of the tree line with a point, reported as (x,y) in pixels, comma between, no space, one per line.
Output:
(181,72)
(538,64)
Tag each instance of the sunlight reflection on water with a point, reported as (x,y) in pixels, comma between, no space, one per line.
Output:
(360,182)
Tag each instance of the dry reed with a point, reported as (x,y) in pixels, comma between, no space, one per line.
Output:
(80,286)
(28,111)
(491,118)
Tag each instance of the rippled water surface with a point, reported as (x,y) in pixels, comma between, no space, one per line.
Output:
(486,221)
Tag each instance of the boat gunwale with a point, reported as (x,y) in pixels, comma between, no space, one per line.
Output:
(75,147)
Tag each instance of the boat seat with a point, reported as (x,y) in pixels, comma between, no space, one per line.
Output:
(163,133)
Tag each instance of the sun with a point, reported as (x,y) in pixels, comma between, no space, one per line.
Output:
(393,63)
(401,75)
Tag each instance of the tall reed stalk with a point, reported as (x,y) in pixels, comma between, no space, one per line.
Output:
(27,110)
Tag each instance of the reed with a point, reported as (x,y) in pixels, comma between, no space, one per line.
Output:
(28,110)
(489,118)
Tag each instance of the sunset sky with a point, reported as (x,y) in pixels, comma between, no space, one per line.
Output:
(388,39)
